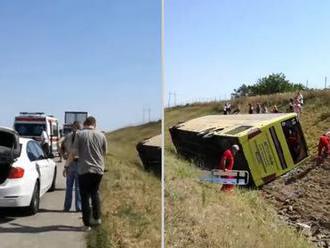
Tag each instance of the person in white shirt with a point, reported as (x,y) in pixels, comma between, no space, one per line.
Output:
(300,98)
(45,141)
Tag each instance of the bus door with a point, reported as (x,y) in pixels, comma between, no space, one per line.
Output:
(295,140)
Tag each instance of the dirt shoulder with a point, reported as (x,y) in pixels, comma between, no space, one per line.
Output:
(302,198)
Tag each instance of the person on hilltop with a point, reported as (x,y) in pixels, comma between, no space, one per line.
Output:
(264,109)
(258,108)
(291,105)
(275,109)
(297,107)
(225,109)
(90,146)
(300,98)
(228,108)
(251,110)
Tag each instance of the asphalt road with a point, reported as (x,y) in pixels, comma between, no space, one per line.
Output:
(49,228)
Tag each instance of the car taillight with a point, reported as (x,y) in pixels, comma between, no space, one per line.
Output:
(16,172)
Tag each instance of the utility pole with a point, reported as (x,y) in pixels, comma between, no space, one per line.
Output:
(144,114)
(174,98)
(149,111)
(325,82)
(170,94)
(307,84)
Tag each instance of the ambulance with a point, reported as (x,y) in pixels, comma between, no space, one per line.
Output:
(31,125)
(270,144)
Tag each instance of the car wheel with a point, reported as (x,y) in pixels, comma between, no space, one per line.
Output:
(34,205)
(52,188)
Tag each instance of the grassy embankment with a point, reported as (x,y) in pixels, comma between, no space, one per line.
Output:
(198,215)
(131,197)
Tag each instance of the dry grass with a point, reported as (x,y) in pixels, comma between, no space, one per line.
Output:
(198,215)
(131,196)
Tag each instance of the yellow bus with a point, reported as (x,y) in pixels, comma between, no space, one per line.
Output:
(270,144)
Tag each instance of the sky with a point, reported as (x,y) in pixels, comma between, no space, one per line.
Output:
(213,47)
(103,57)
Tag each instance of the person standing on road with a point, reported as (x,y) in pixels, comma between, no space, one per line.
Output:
(45,142)
(91,146)
(227,163)
(71,169)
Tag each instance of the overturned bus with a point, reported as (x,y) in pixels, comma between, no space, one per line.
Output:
(150,153)
(270,144)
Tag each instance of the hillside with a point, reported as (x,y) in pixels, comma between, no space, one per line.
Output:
(198,215)
(131,196)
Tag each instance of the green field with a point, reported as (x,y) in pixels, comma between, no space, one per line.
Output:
(131,197)
(199,215)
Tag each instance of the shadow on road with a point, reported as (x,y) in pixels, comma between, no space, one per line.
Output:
(4,220)
(17,228)
(59,189)
(12,212)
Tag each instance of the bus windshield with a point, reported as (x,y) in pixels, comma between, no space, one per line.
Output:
(29,129)
(295,139)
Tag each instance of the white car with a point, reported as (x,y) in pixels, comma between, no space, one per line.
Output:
(26,173)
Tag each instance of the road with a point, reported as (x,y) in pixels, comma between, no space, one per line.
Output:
(49,228)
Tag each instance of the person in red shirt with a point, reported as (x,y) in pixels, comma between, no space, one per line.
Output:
(324,144)
(227,163)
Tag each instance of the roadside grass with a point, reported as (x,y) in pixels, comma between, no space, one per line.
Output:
(199,215)
(131,197)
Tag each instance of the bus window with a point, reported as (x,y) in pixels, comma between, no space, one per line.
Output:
(295,139)
(238,130)
(278,147)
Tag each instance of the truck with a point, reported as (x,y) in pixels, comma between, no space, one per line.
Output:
(70,117)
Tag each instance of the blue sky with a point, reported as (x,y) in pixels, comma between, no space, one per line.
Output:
(97,56)
(212,47)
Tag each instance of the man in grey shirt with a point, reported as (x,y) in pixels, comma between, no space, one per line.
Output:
(90,146)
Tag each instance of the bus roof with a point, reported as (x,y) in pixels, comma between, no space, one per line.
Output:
(223,123)
(153,141)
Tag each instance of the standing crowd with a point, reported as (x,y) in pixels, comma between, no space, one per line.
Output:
(295,106)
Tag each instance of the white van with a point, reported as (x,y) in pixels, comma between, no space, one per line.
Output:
(31,125)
